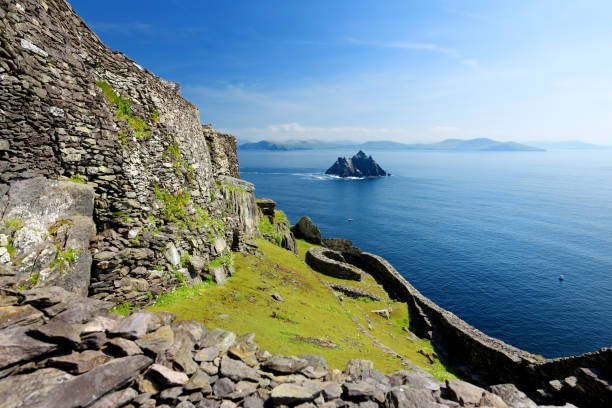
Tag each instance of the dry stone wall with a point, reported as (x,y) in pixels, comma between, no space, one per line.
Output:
(585,380)
(66,351)
(70,107)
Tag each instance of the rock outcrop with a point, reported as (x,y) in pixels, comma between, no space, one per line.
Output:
(149,360)
(307,230)
(72,108)
(45,229)
(275,226)
(360,165)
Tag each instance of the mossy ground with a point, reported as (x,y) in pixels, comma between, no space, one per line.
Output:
(309,319)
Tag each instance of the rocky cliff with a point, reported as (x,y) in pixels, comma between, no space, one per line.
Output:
(360,165)
(167,198)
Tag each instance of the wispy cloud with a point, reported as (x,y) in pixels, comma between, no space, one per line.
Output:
(141,28)
(407,45)
(471,62)
(124,28)
(445,129)
(287,131)
(306,42)
(297,128)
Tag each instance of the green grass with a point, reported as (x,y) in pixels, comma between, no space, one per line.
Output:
(303,247)
(77,178)
(123,309)
(231,187)
(310,313)
(265,226)
(281,218)
(181,293)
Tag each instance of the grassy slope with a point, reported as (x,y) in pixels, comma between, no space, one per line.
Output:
(309,311)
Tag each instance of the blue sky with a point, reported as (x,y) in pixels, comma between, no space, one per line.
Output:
(377,70)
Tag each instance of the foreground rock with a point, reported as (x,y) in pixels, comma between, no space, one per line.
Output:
(148,360)
(45,228)
(360,165)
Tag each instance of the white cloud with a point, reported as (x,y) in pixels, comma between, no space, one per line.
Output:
(445,129)
(407,45)
(471,62)
(286,131)
(297,128)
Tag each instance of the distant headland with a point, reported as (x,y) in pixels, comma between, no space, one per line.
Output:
(481,144)
(360,165)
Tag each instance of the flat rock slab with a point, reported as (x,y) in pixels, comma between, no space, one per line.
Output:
(42,298)
(291,393)
(285,365)
(133,326)
(464,393)
(157,341)
(188,334)
(360,389)
(116,399)
(16,346)
(220,338)
(224,387)
(123,347)
(207,354)
(512,396)
(57,331)
(245,348)
(167,376)
(408,397)
(200,381)
(79,363)
(242,389)
(237,370)
(21,390)
(184,359)
(99,324)
(83,390)
(161,319)
(11,316)
(81,311)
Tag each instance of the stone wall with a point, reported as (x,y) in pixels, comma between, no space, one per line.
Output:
(70,107)
(583,380)
(275,225)
(331,263)
(60,350)
(223,152)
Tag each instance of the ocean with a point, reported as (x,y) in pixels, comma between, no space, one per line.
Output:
(485,235)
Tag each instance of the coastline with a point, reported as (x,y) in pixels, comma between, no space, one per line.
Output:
(477,356)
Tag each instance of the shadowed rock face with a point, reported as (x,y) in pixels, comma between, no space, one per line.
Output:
(360,165)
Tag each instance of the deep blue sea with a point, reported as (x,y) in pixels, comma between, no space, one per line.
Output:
(483,234)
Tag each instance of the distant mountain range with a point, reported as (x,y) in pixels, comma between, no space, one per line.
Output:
(482,144)
(568,145)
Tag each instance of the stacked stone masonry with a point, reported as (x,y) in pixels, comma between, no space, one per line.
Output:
(585,380)
(66,351)
(72,108)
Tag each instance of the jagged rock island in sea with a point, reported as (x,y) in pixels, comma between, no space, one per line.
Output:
(360,165)
(113,195)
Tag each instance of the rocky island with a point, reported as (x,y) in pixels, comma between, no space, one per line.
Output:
(136,267)
(360,165)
